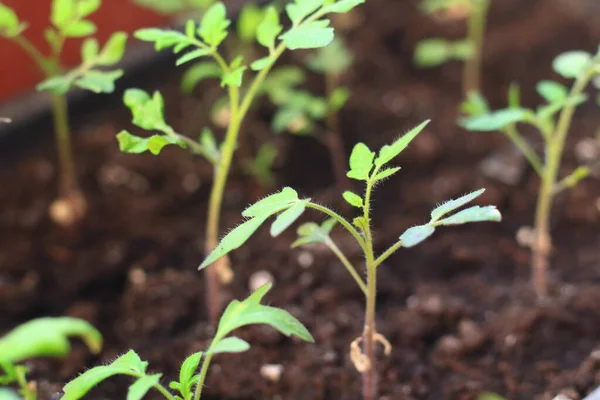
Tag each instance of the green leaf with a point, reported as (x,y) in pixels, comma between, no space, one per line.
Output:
(269,29)
(89,50)
(361,162)
(208,142)
(147,111)
(361,223)
(213,29)
(99,81)
(234,239)
(353,199)
(311,232)
(250,311)
(301,9)
(385,173)
(62,12)
(342,6)
(310,35)
(415,235)
(197,73)
(126,364)
(514,96)
(10,26)
(164,38)
(552,91)
(388,152)
(262,63)
(129,143)
(461,50)
(288,217)
(230,344)
(494,121)
(475,105)
(572,64)
(87,7)
(188,368)
(192,55)
(57,85)
(235,74)
(8,394)
(276,201)
(79,29)
(472,214)
(113,50)
(248,22)
(47,337)
(338,98)
(432,52)
(139,388)
(452,205)
(334,59)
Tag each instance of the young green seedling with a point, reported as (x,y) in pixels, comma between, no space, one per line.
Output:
(309,29)
(42,337)
(435,51)
(191,382)
(371,169)
(553,121)
(69,20)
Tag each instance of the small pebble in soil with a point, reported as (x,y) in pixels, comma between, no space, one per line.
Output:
(471,334)
(563,397)
(587,150)
(271,372)
(450,345)
(305,259)
(137,276)
(506,165)
(259,279)
(525,236)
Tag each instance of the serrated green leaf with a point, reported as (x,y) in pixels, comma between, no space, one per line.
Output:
(415,235)
(195,74)
(353,199)
(432,52)
(235,75)
(62,12)
(385,173)
(113,50)
(571,64)
(164,38)
(311,232)
(188,368)
(140,387)
(47,337)
(311,35)
(99,81)
(229,344)
(57,85)
(301,9)
(389,152)
(129,143)
(342,6)
(147,111)
(286,197)
(494,120)
(361,162)
(192,55)
(472,214)
(288,217)
(213,29)
(250,312)
(552,91)
(234,239)
(269,28)
(262,63)
(454,204)
(79,29)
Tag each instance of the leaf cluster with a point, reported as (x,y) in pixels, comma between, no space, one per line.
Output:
(436,51)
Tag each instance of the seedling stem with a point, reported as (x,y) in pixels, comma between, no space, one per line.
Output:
(476,33)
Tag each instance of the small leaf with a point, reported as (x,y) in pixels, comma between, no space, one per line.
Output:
(188,368)
(194,75)
(47,337)
(288,217)
(301,9)
(10,26)
(129,143)
(99,81)
(353,199)
(89,50)
(475,105)
(147,111)
(432,52)
(269,28)
(208,142)
(113,50)
(57,85)
(388,152)
(385,173)
(286,197)
(495,120)
(87,7)
(461,50)
(338,98)
(139,388)
(234,239)
(472,214)
(552,91)
(192,55)
(311,35)
(342,6)
(452,205)
(250,311)
(235,74)
(311,232)
(230,344)
(248,22)
(213,29)
(415,235)
(572,64)
(361,162)
(62,12)
(262,63)
(80,29)
(361,223)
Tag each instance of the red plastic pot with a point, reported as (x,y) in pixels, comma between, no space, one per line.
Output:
(19,74)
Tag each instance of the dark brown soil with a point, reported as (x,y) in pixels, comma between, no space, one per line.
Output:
(458,309)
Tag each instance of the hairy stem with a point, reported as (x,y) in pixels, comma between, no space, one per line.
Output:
(336,250)
(202,378)
(542,245)
(476,33)
(525,149)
